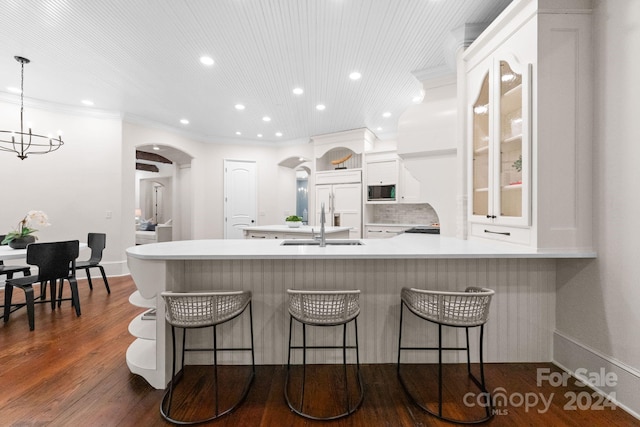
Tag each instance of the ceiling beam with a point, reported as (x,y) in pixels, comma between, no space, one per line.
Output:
(151,157)
(146,167)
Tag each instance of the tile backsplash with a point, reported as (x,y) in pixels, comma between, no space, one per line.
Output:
(421,213)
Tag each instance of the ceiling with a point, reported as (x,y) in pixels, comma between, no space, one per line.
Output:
(141,58)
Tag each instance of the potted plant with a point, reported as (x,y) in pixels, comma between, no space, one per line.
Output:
(23,235)
(293,221)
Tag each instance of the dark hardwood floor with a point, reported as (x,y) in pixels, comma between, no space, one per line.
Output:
(72,372)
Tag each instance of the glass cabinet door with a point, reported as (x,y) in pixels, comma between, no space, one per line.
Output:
(481,120)
(511,131)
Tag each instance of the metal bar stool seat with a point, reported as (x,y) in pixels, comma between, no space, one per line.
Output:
(324,308)
(466,309)
(190,310)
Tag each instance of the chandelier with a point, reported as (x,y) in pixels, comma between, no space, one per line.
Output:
(25,143)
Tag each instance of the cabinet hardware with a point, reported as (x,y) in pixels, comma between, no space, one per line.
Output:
(504,233)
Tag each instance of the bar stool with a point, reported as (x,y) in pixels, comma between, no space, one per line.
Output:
(191,310)
(466,309)
(324,308)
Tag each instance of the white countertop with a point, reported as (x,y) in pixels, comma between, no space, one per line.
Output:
(404,246)
(302,229)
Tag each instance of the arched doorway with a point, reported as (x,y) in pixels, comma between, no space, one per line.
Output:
(163,188)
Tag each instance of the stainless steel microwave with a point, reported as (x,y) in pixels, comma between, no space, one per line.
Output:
(381,193)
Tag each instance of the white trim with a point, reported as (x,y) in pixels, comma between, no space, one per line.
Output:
(570,355)
(57,108)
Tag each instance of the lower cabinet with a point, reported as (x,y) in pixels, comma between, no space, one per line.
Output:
(384,231)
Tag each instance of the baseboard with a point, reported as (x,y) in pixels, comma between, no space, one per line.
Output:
(578,358)
(111,269)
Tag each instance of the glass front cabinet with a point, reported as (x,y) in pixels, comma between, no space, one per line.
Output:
(499,135)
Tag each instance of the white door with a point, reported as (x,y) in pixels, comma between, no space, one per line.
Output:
(239,197)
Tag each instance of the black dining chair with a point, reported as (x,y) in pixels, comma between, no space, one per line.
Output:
(55,261)
(96,242)
(10,270)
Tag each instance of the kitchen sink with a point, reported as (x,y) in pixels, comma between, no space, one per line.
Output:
(328,242)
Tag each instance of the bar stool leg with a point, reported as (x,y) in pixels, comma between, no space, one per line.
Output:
(304,363)
(440,370)
(344,363)
(215,364)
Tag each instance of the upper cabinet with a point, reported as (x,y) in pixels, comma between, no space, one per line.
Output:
(388,181)
(528,117)
(500,140)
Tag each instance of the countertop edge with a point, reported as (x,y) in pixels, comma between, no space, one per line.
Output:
(405,246)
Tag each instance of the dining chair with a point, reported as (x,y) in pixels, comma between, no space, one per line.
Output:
(55,261)
(9,270)
(97,243)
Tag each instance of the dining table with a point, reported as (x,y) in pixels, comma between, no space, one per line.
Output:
(7,253)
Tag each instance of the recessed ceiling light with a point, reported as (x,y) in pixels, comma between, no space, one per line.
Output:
(184,121)
(355,75)
(206,60)
(14,89)
(298,91)
(386,114)
(278,133)
(259,135)
(301,159)
(87,102)
(156,148)
(238,133)
(266,119)
(320,107)
(378,128)
(239,107)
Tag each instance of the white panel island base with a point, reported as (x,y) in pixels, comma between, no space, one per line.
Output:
(520,326)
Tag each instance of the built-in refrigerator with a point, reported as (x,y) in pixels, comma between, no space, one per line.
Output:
(343,206)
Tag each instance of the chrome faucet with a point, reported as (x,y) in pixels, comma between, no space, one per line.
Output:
(323,242)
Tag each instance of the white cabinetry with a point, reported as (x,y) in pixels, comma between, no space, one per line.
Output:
(382,173)
(528,116)
(384,231)
(499,135)
(341,194)
(388,181)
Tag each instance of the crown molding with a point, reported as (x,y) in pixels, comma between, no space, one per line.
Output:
(60,108)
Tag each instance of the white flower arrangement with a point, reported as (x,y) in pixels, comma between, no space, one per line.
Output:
(26,226)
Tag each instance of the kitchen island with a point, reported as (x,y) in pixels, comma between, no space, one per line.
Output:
(520,327)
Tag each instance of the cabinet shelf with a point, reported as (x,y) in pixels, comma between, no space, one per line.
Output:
(139,301)
(145,329)
(141,356)
(512,187)
(512,99)
(481,150)
(512,139)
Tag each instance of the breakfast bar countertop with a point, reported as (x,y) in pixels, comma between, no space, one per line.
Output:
(404,246)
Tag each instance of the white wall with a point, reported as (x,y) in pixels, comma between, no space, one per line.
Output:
(427,140)
(598,302)
(77,186)
(206,177)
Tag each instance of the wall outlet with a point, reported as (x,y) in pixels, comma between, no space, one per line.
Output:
(108,214)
